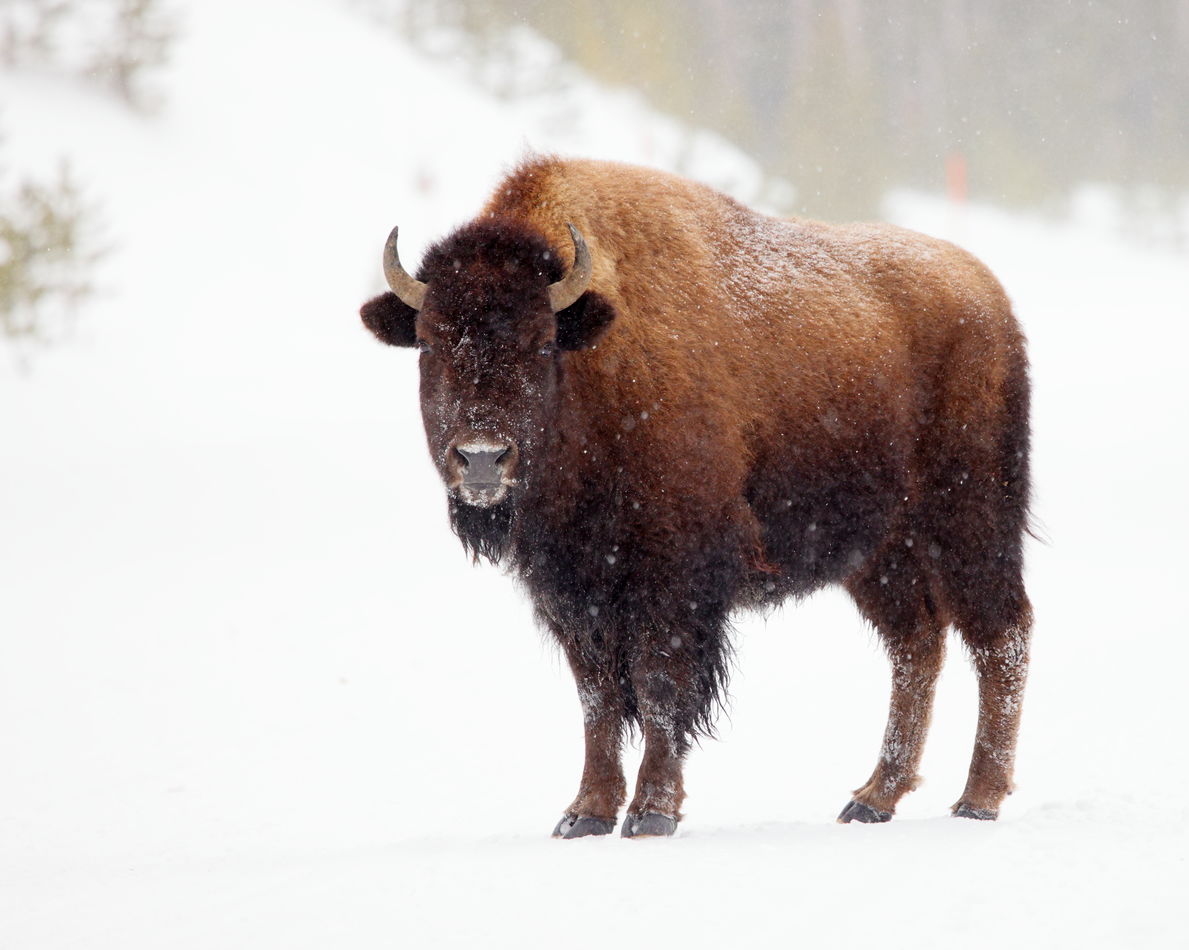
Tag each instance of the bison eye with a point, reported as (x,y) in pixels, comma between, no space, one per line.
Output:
(424,347)
(548,349)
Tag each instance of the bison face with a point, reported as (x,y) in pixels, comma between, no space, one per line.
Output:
(486,400)
(494,320)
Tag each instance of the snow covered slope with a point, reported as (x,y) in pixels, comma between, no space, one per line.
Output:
(238,704)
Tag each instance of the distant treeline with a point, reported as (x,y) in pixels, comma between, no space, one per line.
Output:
(846,98)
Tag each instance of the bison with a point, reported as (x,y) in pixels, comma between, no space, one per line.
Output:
(655,406)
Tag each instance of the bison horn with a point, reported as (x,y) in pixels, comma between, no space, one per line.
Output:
(567,290)
(407,288)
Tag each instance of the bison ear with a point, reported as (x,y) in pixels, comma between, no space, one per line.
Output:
(584,322)
(390,320)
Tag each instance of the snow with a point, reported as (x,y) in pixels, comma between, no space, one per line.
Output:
(253,694)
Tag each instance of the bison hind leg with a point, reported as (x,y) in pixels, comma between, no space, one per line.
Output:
(981,574)
(893,594)
(1000,658)
(858,811)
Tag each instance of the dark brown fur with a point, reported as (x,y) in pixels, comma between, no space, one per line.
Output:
(739,410)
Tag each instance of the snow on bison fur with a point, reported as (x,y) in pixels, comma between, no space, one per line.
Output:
(655,406)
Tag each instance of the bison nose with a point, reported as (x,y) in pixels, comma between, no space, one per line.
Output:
(483,463)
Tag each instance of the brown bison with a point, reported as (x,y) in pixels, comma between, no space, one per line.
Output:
(655,406)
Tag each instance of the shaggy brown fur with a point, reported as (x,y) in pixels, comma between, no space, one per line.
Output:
(740,409)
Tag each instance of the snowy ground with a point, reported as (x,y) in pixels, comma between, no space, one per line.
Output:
(239,706)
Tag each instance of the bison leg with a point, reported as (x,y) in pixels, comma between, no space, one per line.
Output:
(1001,663)
(661,701)
(602,790)
(916,663)
(891,593)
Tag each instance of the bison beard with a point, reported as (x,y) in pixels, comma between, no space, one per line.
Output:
(654,407)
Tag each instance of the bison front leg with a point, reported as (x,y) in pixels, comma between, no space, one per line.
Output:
(602,791)
(664,695)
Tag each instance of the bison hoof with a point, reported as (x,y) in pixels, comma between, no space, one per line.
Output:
(650,825)
(571,826)
(962,810)
(857,811)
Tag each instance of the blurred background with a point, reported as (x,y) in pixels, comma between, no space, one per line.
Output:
(839,103)
(1010,101)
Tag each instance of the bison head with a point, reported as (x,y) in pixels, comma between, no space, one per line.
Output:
(494,314)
